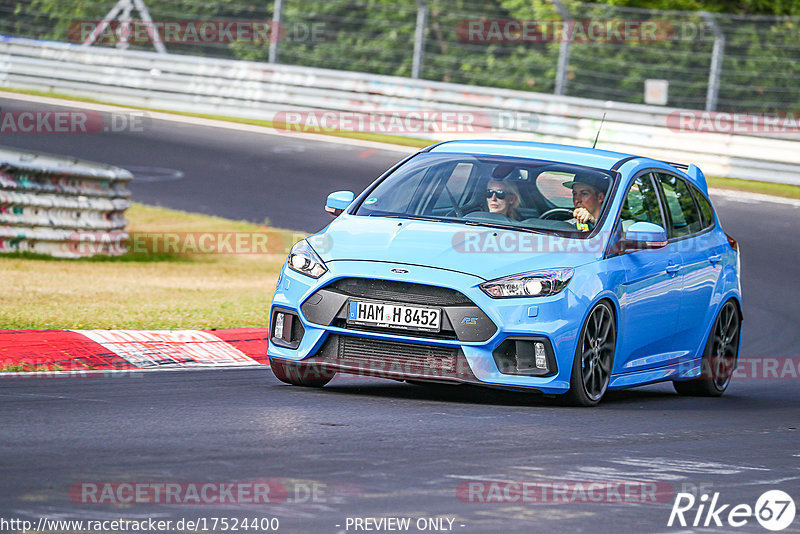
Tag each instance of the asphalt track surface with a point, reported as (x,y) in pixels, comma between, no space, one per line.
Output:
(233,174)
(381,448)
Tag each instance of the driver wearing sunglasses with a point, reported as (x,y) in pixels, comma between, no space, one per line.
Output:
(503,198)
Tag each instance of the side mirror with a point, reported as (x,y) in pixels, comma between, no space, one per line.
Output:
(643,235)
(338,202)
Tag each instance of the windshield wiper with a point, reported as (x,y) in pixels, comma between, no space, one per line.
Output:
(460,221)
(504,227)
(412,217)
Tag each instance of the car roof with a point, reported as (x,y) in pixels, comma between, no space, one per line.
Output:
(588,157)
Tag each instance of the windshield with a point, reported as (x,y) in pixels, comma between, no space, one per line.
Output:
(496,191)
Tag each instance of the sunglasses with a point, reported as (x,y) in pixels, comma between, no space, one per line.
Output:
(499,194)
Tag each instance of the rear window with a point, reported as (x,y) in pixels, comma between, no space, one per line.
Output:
(705,207)
(683,212)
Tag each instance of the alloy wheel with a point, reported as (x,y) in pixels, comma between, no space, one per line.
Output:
(597,352)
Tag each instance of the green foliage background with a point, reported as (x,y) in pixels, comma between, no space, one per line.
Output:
(759,72)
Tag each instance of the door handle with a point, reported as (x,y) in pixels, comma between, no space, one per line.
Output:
(672,269)
(715,259)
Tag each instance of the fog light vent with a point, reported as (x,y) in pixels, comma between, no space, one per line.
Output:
(525,356)
(287,330)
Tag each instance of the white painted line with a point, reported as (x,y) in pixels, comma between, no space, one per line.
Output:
(211,123)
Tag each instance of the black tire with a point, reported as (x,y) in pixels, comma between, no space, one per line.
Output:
(300,374)
(719,356)
(594,357)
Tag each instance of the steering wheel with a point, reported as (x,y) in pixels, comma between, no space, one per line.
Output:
(546,215)
(486,216)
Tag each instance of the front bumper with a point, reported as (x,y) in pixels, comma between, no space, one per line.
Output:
(413,355)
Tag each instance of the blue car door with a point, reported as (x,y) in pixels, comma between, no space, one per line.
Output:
(651,295)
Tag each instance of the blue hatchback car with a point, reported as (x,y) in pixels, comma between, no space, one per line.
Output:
(516,265)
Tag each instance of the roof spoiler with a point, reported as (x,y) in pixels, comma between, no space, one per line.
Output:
(694,172)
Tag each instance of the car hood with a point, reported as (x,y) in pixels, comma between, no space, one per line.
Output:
(485,252)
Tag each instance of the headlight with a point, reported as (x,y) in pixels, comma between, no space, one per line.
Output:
(533,284)
(303,259)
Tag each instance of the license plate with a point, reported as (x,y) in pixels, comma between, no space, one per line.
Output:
(394,315)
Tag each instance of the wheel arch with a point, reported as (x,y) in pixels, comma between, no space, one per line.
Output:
(730,296)
(607,296)
(611,298)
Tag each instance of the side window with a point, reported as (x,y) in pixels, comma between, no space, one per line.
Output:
(682,209)
(705,207)
(641,204)
(455,186)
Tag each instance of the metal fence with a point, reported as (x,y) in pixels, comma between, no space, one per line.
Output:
(709,61)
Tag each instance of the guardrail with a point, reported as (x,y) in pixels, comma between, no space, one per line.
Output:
(261,90)
(61,206)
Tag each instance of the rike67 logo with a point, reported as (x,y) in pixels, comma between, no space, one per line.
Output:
(774,510)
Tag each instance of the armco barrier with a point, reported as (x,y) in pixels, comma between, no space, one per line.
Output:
(50,204)
(260,90)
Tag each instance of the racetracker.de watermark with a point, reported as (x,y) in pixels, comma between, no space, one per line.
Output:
(399,122)
(511,242)
(137,492)
(194,32)
(250,492)
(522,242)
(28,367)
(576,31)
(597,31)
(71,121)
(768,368)
(764,368)
(738,122)
(564,492)
(258,242)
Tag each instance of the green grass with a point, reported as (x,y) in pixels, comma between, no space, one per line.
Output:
(752,186)
(144,290)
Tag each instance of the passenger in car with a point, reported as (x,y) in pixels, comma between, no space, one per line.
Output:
(588,193)
(503,197)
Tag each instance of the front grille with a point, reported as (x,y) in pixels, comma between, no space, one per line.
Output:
(404,292)
(461,318)
(371,356)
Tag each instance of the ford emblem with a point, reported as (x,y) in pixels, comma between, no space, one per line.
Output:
(400,271)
